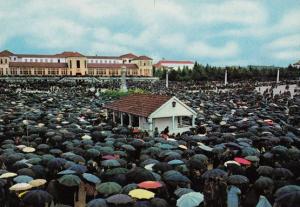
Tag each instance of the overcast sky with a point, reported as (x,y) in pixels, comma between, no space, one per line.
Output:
(262,32)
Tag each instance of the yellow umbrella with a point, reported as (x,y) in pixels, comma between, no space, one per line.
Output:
(20,147)
(20,187)
(141,194)
(22,194)
(37,182)
(8,175)
(28,149)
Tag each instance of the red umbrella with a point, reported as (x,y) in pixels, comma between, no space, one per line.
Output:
(109,157)
(150,184)
(242,161)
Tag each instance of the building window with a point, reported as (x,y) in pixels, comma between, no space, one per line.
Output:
(51,60)
(85,64)
(30,60)
(1,61)
(36,60)
(15,58)
(78,63)
(58,60)
(70,63)
(25,60)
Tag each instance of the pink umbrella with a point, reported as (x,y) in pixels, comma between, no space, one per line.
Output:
(242,161)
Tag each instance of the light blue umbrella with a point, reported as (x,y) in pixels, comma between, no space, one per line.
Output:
(175,162)
(191,199)
(23,179)
(66,172)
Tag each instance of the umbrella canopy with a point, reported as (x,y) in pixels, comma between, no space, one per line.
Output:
(37,182)
(37,198)
(138,175)
(175,176)
(119,199)
(237,179)
(108,188)
(181,191)
(191,199)
(214,173)
(66,172)
(265,170)
(69,180)
(242,161)
(22,179)
(8,175)
(91,178)
(288,199)
(99,202)
(282,172)
(111,163)
(78,168)
(263,183)
(150,185)
(20,187)
(231,162)
(141,194)
(286,189)
(175,162)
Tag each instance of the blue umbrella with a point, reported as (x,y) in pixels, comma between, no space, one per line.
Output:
(66,172)
(91,178)
(78,168)
(175,162)
(23,179)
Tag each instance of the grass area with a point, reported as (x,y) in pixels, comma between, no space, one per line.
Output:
(114,94)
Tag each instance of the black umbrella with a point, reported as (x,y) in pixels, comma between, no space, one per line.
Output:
(286,189)
(138,175)
(265,170)
(214,173)
(37,198)
(159,202)
(119,199)
(263,183)
(291,199)
(237,180)
(282,172)
(162,167)
(97,203)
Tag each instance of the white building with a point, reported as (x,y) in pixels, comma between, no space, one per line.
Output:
(146,112)
(297,64)
(173,64)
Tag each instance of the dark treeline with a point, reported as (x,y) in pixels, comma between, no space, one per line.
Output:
(235,73)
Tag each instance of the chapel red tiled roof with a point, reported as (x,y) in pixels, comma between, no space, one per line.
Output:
(129,55)
(111,65)
(138,104)
(143,57)
(70,54)
(5,53)
(103,57)
(37,65)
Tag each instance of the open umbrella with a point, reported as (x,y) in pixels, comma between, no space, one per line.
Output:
(20,187)
(290,199)
(265,170)
(37,182)
(37,198)
(99,202)
(150,185)
(214,173)
(242,161)
(263,183)
(191,199)
(141,194)
(116,171)
(78,168)
(69,180)
(286,189)
(138,175)
(282,172)
(237,179)
(127,188)
(175,162)
(91,178)
(175,176)
(8,175)
(22,179)
(181,191)
(66,172)
(110,163)
(119,199)
(108,188)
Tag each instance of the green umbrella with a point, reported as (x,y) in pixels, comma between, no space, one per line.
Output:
(181,191)
(92,152)
(108,188)
(116,171)
(128,147)
(110,163)
(69,180)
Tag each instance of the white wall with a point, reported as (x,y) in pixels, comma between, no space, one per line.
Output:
(105,61)
(175,66)
(162,123)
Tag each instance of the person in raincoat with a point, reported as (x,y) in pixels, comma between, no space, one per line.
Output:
(233,199)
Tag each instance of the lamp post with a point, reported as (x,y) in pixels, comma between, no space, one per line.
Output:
(277,79)
(167,77)
(225,81)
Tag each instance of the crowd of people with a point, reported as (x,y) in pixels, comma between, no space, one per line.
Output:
(59,148)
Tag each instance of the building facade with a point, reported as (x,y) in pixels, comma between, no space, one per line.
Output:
(297,65)
(73,64)
(173,64)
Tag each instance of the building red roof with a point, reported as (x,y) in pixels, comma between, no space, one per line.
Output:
(5,53)
(138,104)
(182,62)
(103,57)
(129,55)
(70,54)
(111,65)
(38,65)
(143,57)
(36,56)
